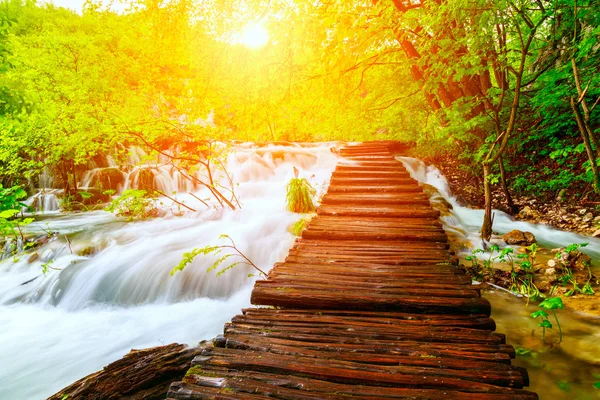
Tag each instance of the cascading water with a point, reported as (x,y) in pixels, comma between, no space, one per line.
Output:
(465,223)
(44,201)
(108,288)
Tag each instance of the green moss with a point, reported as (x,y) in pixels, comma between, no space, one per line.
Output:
(195,370)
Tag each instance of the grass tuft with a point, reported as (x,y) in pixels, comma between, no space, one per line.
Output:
(300,196)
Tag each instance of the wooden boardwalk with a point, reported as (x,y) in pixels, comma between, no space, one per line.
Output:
(368,304)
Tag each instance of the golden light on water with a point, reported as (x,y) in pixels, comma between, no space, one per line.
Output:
(255,36)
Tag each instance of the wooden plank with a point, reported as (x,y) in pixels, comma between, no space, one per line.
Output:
(356,373)
(383,211)
(344,300)
(369,318)
(470,351)
(294,384)
(367,187)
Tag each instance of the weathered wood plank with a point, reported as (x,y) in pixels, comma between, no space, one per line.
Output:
(318,298)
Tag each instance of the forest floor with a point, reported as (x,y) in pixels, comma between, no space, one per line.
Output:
(569,210)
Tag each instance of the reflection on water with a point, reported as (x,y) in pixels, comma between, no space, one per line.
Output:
(557,371)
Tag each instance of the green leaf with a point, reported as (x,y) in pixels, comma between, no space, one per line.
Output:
(86,195)
(6,214)
(596,385)
(523,352)
(545,324)
(552,303)
(539,313)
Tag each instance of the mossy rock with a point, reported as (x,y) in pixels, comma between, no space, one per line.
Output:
(108,179)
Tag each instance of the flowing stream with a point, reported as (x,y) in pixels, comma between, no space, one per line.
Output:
(557,371)
(109,290)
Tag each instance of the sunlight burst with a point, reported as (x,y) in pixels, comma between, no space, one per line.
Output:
(255,36)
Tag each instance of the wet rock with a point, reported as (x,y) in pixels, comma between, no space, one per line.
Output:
(596,233)
(544,285)
(145,180)
(437,200)
(528,213)
(516,237)
(87,251)
(108,179)
(588,217)
(579,261)
(575,260)
(33,257)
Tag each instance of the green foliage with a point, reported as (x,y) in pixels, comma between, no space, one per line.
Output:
(300,195)
(521,281)
(134,205)
(551,303)
(11,226)
(298,226)
(232,251)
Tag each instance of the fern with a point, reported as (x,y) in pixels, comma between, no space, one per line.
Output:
(188,257)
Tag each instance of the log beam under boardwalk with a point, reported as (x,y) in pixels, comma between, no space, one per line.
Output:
(369,304)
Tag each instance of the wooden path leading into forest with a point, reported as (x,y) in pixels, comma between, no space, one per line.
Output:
(368,304)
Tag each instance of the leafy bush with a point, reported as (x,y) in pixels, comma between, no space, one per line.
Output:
(10,206)
(134,204)
(300,196)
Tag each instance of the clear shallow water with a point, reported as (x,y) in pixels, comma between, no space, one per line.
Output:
(557,371)
(92,309)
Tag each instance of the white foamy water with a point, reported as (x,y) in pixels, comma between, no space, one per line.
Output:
(466,222)
(91,309)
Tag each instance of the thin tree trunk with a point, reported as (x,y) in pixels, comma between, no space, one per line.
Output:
(488,218)
(586,141)
(585,118)
(512,209)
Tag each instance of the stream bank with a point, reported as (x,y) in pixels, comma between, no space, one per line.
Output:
(565,209)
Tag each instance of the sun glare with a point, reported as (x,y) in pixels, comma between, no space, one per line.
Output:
(255,36)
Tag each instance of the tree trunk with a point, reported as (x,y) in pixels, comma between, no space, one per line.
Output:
(586,142)
(488,218)
(512,209)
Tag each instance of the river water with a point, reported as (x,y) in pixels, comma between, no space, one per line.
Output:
(89,310)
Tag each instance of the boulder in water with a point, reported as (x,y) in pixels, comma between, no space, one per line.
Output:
(520,238)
